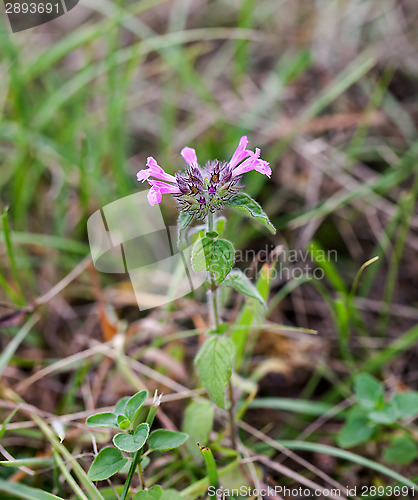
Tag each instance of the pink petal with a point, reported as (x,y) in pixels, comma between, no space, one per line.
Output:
(154,196)
(143,174)
(240,153)
(189,156)
(253,163)
(263,167)
(154,170)
(163,187)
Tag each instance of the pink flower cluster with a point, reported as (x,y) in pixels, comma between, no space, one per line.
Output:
(209,186)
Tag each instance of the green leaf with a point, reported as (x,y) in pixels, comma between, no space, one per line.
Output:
(154,493)
(401,451)
(103,420)
(368,390)
(22,491)
(406,404)
(132,442)
(388,415)
(240,282)
(183,221)
(108,462)
(215,256)
(357,430)
(123,423)
(120,405)
(171,495)
(134,404)
(244,204)
(214,363)
(198,422)
(7,421)
(163,439)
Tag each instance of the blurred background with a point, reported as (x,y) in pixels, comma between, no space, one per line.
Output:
(326,89)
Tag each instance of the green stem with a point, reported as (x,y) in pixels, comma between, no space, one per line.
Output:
(210,222)
(212,292)
(231,415)
(135,461)
(213,306)
(137,457)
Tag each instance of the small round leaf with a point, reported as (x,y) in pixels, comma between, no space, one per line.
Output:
(401,451)
(134,404)
(123,423)
(163,439)
(120,405)
(108,462)
(132,442)
(103,420)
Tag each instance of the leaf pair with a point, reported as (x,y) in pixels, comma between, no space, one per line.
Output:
(110,460)
(126,415)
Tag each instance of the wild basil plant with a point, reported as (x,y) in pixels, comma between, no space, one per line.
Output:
(201,194)
(136,441)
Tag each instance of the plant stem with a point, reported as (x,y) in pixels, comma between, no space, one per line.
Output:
(130,475)
(141,475)
(213,306)
(212,292)
(137,457)
(210,222)
(231,415)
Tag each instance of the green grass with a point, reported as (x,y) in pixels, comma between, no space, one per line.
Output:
(85,100)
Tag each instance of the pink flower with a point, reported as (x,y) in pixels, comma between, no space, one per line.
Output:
(203,190)
(240,153)
(158,189)
(154,170)
(251,161)
(189,156)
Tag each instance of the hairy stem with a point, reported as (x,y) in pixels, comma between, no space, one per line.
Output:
(231,416)
(212,291)
(213,307)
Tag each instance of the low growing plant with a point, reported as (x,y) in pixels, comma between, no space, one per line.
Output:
(375,417)
(136,441)
(202,193)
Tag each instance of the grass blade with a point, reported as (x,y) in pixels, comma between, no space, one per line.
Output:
(26,492)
